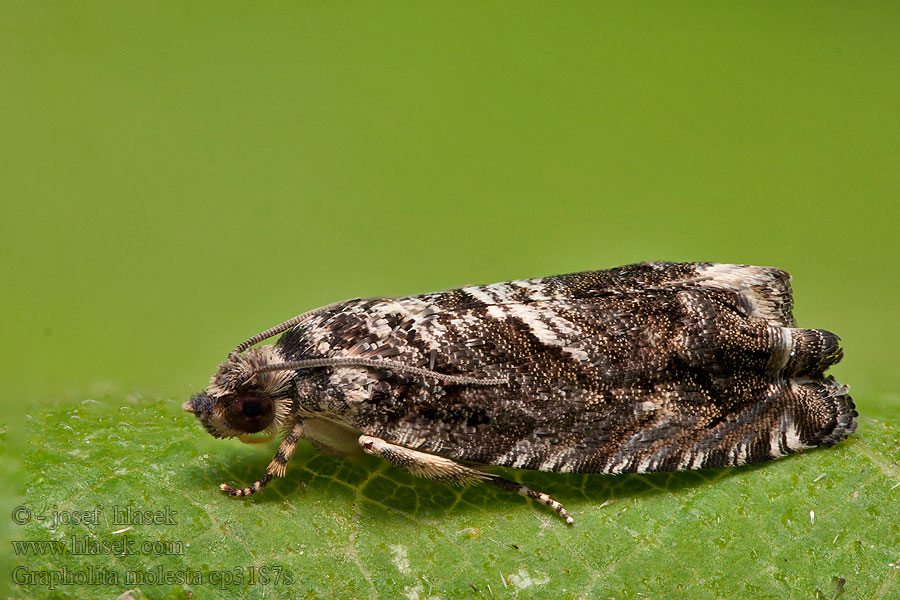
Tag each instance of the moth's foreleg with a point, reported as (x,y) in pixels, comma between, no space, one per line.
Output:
(276,468)
(438,468)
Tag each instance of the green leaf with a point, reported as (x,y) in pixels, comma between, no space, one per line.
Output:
(339,529)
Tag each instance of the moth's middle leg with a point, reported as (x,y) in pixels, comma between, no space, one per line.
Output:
(438,468)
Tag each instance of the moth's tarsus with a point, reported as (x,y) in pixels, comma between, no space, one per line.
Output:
(258,485)
(526,491)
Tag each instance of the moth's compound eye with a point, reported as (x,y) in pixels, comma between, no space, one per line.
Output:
(251,412)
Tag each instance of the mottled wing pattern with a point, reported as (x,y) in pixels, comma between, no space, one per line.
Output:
(650,367)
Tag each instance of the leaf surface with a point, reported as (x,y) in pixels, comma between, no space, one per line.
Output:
(340,529)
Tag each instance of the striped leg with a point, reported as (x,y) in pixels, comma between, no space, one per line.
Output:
(276,468)
(442,469)
(522,490)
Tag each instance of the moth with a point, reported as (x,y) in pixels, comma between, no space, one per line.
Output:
(649,367)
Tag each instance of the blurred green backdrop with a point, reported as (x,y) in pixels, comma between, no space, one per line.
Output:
(179,176)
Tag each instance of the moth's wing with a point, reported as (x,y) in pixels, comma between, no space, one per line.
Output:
(763,292)
(384,327)
(741,419)
(601,365)
(688,426)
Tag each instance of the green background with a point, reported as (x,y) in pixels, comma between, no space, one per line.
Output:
(178,176)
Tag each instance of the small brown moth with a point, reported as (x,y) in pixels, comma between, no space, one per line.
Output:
(650,367)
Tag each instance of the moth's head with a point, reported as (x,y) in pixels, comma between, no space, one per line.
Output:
(240,400)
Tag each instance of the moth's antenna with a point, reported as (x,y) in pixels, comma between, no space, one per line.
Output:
(278,329)
(377,363)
